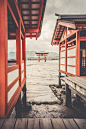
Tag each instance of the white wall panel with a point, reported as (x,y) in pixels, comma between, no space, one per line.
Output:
(12,76)
(62,61)
(62,54)
(12,91)
(71,61)
(62,67)
(71,52)
(71,70)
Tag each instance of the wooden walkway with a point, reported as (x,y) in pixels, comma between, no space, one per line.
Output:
(42,123)
(77,84)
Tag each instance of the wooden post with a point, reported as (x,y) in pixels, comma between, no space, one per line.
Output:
(39,59)
(24,58)
(68,95)
(3,57)
(45,59)
(78,53)
(59,79)
(18,60)
(18,107)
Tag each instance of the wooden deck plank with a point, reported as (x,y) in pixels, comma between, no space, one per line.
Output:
(81,123)
(1,122)
(77,81)
(36,124)
(58,123)
(21,123)
(45,123)
(9,124)
(30,123)
(70,124)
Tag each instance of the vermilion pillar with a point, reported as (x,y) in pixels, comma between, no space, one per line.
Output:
(24,55)
(3,57)
(39,59)
(45,59)
(18,50)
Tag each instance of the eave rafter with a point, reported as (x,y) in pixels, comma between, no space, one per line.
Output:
(40,15)
(17,8)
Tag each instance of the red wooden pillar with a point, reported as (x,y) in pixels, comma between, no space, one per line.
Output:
(45,59)
(3,57)
(66,55)
(78,53)
(24,55)
(59,54)
(39,59)
(18,50)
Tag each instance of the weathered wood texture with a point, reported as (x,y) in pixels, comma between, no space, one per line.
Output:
(77,84)
(43,123)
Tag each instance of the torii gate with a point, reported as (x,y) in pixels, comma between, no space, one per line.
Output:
(18,19)
(41,54)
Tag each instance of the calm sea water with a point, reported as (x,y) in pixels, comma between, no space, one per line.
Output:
(42,73)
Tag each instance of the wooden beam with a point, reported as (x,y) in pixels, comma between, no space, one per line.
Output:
(24,54)
(40,15)
(19,15)
(3,57)
(69,25)
(18,50)
(12,68)
(69,35)
(12,14)
(32,30)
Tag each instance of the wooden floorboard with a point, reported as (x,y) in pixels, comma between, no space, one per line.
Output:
(58,123)
(43,123)
(81,123)
(70,124)
(9,124)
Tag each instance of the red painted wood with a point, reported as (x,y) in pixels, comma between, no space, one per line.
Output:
(59,54)
(12,14)
(19,14)
(18,50)
(24,55)
(12,68)
(3,57)
(78,53)
(40,15)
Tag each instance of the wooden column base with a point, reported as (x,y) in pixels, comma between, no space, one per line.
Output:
(68,96)
(24,94)
(18,107)
(59,79)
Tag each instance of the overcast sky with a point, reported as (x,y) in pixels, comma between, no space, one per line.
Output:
(43,43)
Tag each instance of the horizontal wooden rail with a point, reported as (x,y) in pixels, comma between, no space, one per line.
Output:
(22,61)
(12,84)
(71,41)
(72,65)
(62,45)
(62,64)
(71,47)
(69,74)
(62,50)
(12,68)
(22,71)
(13,101)
(71,56)
(62,57)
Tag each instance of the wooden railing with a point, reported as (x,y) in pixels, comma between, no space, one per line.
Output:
(13,88)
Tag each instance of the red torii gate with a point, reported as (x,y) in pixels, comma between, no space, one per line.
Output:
(41,54)
(18,19)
